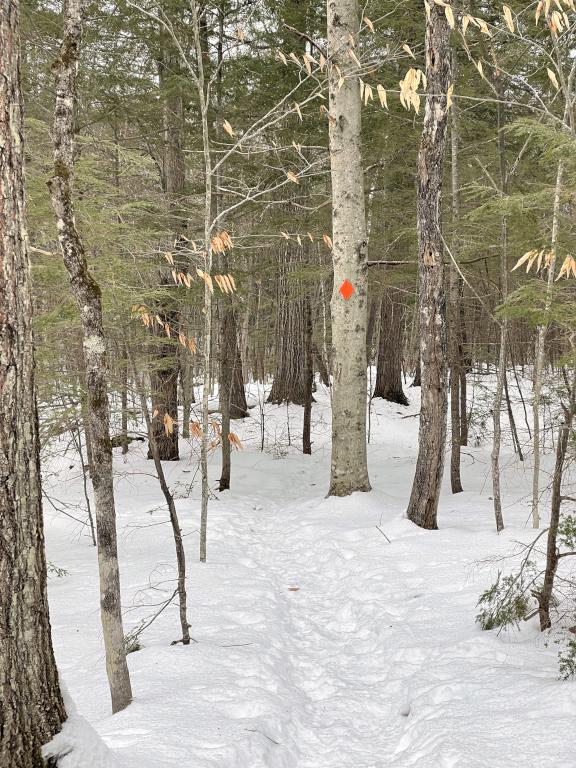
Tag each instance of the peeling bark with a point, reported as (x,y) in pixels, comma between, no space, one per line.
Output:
(423,504)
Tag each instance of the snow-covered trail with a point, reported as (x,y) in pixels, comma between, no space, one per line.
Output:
(321,642)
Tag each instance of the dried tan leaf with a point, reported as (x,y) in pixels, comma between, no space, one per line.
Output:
(508,17)
(168,424)
(553,78)
(382,95)
(369,24)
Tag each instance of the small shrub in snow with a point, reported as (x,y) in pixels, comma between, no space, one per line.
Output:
(567,661)
(567,531)
(54,570)
(507,602)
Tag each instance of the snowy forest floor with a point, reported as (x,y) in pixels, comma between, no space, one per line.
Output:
(320,644)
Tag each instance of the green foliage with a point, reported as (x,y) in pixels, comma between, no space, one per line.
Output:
(567,661)
(506,602)
(567,532)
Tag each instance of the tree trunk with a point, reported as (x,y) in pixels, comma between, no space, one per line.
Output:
(289,385)
(31,706)
(124,398)
(503,352)
(349,468)
(309,376)
(417,380)
(164,390)
(165,368)
(423,504)
(454,302)
(237,403)
(174,522)
(539,351)
(203,91)
(187,389)
(87,294)
(463,404)
(552,555)
(372,316)
(229,361)
(320,365)
(390,347)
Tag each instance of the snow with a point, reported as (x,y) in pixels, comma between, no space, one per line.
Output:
(330,633)
(78,745)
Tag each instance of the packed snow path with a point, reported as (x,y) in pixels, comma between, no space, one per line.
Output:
(331,633)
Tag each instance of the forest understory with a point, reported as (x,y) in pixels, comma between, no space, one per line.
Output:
(328,632)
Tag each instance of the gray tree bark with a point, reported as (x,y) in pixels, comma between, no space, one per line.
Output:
(423,504)
(544,596)
(349,469)
(86,291)
(455,316)
(290,384)
(390,348)
(503,351)
(31,706)
(165,368)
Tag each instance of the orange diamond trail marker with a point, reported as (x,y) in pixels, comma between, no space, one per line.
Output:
(346,289)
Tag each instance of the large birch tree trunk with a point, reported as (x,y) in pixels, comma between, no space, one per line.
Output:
(423,504)
(31,707)
(349,469)
(86,291)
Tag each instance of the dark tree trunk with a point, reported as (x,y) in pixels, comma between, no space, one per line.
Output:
(372,315)
(227,348)
(390,348)
(463,406)
(552,555)
(232,396)
(238,405)
(423,504)
(454,312)
(164,387)
(31,707)
(309,376)
(87,294)
(186,388)
(289,384)
(417,380)
(165,368)
(124,399)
